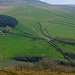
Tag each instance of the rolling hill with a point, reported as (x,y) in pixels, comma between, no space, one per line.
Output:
(42,31)
(29,26)
(53,30)
(21,2)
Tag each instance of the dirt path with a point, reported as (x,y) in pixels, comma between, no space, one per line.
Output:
(34,30)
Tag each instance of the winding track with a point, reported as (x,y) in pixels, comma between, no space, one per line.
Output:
(34,30)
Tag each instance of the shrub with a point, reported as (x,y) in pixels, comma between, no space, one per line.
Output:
(56,65)
(25,66)
(71,55)
(27,58)
(29,66)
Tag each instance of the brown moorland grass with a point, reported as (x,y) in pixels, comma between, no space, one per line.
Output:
(27,72)
(5,9)
(47,65)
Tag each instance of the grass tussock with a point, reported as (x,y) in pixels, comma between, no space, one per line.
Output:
(27,72)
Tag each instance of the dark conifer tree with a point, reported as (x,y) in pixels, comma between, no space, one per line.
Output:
(7,21)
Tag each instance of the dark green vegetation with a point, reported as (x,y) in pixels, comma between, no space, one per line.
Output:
(53,24)
(27,58)
(7,21)
(71,55)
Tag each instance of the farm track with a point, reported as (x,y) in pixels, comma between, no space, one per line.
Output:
(26,34)
(34,30)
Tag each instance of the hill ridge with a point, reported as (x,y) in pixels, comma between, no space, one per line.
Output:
(21,2)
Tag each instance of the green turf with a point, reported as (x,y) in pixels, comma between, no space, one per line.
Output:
(59,30)
(14,44)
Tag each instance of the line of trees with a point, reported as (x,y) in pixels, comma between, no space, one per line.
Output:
(7,21)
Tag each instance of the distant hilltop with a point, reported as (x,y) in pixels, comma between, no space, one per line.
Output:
(21,2)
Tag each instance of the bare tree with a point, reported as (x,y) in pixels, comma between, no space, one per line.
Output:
(36,37)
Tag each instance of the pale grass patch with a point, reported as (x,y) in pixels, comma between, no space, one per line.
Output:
(4,9)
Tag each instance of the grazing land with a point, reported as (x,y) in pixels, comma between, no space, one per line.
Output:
(54,24)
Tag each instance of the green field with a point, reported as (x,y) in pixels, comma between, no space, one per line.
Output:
(13,44)
(29,18)
(59,30)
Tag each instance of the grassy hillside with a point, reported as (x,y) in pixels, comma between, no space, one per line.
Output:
(29,18)
(13,44)
(21,2)
(61,30)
